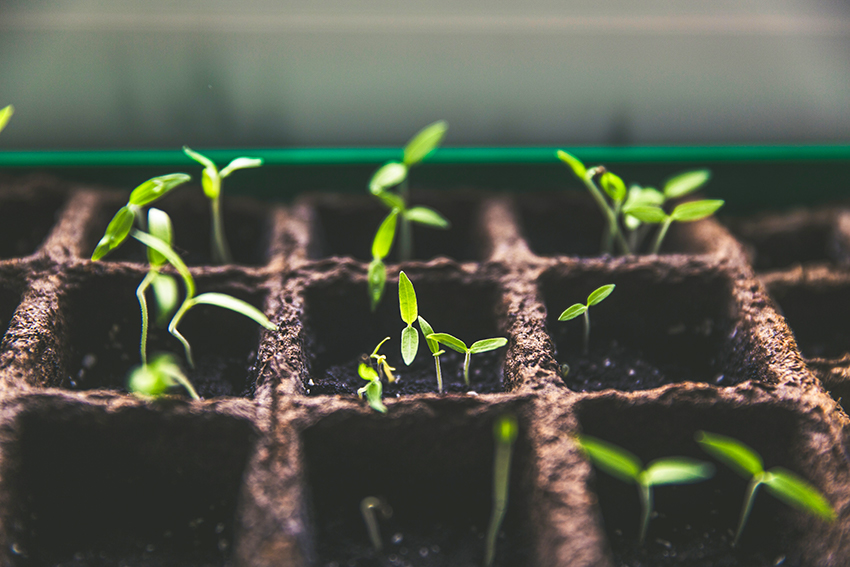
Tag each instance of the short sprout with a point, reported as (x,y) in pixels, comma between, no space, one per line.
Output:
(435,349)
(454,343)
(596,296)
(156,377)
(505,431)
(368,506)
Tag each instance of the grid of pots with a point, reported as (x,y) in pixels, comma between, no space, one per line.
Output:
(271,466)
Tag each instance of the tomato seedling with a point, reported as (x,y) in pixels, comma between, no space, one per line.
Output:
(373,390)
(381,362)
(686,212)
(596,296)
(157,377)
(505,431)
(780,482)
(454,343)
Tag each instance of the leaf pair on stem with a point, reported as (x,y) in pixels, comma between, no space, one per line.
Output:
(595,297)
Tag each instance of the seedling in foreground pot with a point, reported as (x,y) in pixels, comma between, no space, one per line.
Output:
(158,376)
(211,183)
(454,343)
(782,483)
(686,212)
(373,390)
(577,309)
(5,115)
(625,466)
(435,349)
(368,506)
(409,314)
(505,432)
(381,362)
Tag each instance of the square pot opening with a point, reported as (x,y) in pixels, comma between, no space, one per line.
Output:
(656,328)
(247,228)
(435,469)
(346,226)
(133,487)
(695,524)
(340,328)
(570,223)
(103,328)
(25,222)
(818,314)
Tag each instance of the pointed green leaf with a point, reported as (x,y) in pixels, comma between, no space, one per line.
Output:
(614,460)
(574,163)
(647,214)
(170,255)
(159,225)
(685,183)
(200,158)
(409,345)
(211,182)
(599,294)
(154,188)
(795,491)
(453,343)
(377,280)
(407,299)
(166,297)
(613,186)
(485,345)
(389,175)
(426,329)
(424,142)
(233,304)
(676,470)
(116,232)
(383,242)
(738,456)
(367,372)
(424,215)
(374,391)
(240,163)
(696,210)
(5,115)
(572,312)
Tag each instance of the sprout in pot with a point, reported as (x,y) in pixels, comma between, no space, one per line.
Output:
(596,296)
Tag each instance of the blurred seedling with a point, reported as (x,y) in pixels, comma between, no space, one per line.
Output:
(368,507)
(505,431)
(409,313)
(394,174)
(780,482)
(381,362)
(5,115)
(577,309)
(686,212)
(211,182)
(625,466)
(454,343)
(373,390)
(158,376)
(435,349)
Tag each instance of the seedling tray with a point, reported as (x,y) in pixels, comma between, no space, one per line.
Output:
(270,467)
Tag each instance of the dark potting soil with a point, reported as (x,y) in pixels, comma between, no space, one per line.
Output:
(485,375)
(25,224)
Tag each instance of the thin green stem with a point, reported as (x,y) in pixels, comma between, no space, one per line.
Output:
(748,505)
(501,480)
(172,328)
(143,306)
(367,507)
(439,373)
(586,332)
(662,232)
(611,218)
(220,250)
(466,368)
(645,492)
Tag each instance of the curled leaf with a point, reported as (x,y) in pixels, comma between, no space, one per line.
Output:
(574,163)
(613,186)
(211,182)
(240,163)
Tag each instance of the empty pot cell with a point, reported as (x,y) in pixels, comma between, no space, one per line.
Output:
(571,224)
(656,328)
(694,524)
(346,226)
(26,222)
(341,329)
(126,487)
(434,469)
(104,329)
(247,230)
(819,315)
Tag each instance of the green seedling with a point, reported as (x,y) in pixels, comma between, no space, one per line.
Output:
(435,349)
(577,309)
(211,181)
(5,114)
(686,212)
(409,314)
(625,466)
(454,343)
(505,432)
(780,482)
(368,506)
(394,174)
(373,390)
(381,362)
(157,377)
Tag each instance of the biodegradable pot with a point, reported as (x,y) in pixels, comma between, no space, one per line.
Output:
(270,468)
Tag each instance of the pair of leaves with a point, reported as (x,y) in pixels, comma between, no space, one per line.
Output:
(596,296)
(211,177)
(5,114)
(686,212)
(392,173)
(409,313)
(454,343)
(161,374)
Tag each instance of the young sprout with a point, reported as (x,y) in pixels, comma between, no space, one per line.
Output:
(155,378)
(505,432)
(373,390)
(454,343)
(782,483)
(409,314)
(390,175)
(5,115)
(686,212)
(435,349)
(381,362)
(625,466)
(367,507)
(577,309)
(211,183)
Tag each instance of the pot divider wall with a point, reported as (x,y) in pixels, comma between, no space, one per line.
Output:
(277,457)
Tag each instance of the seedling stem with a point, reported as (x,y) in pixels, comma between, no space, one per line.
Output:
(505,432)
(458,345)
(596,296)
(435,349)
(367,507)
